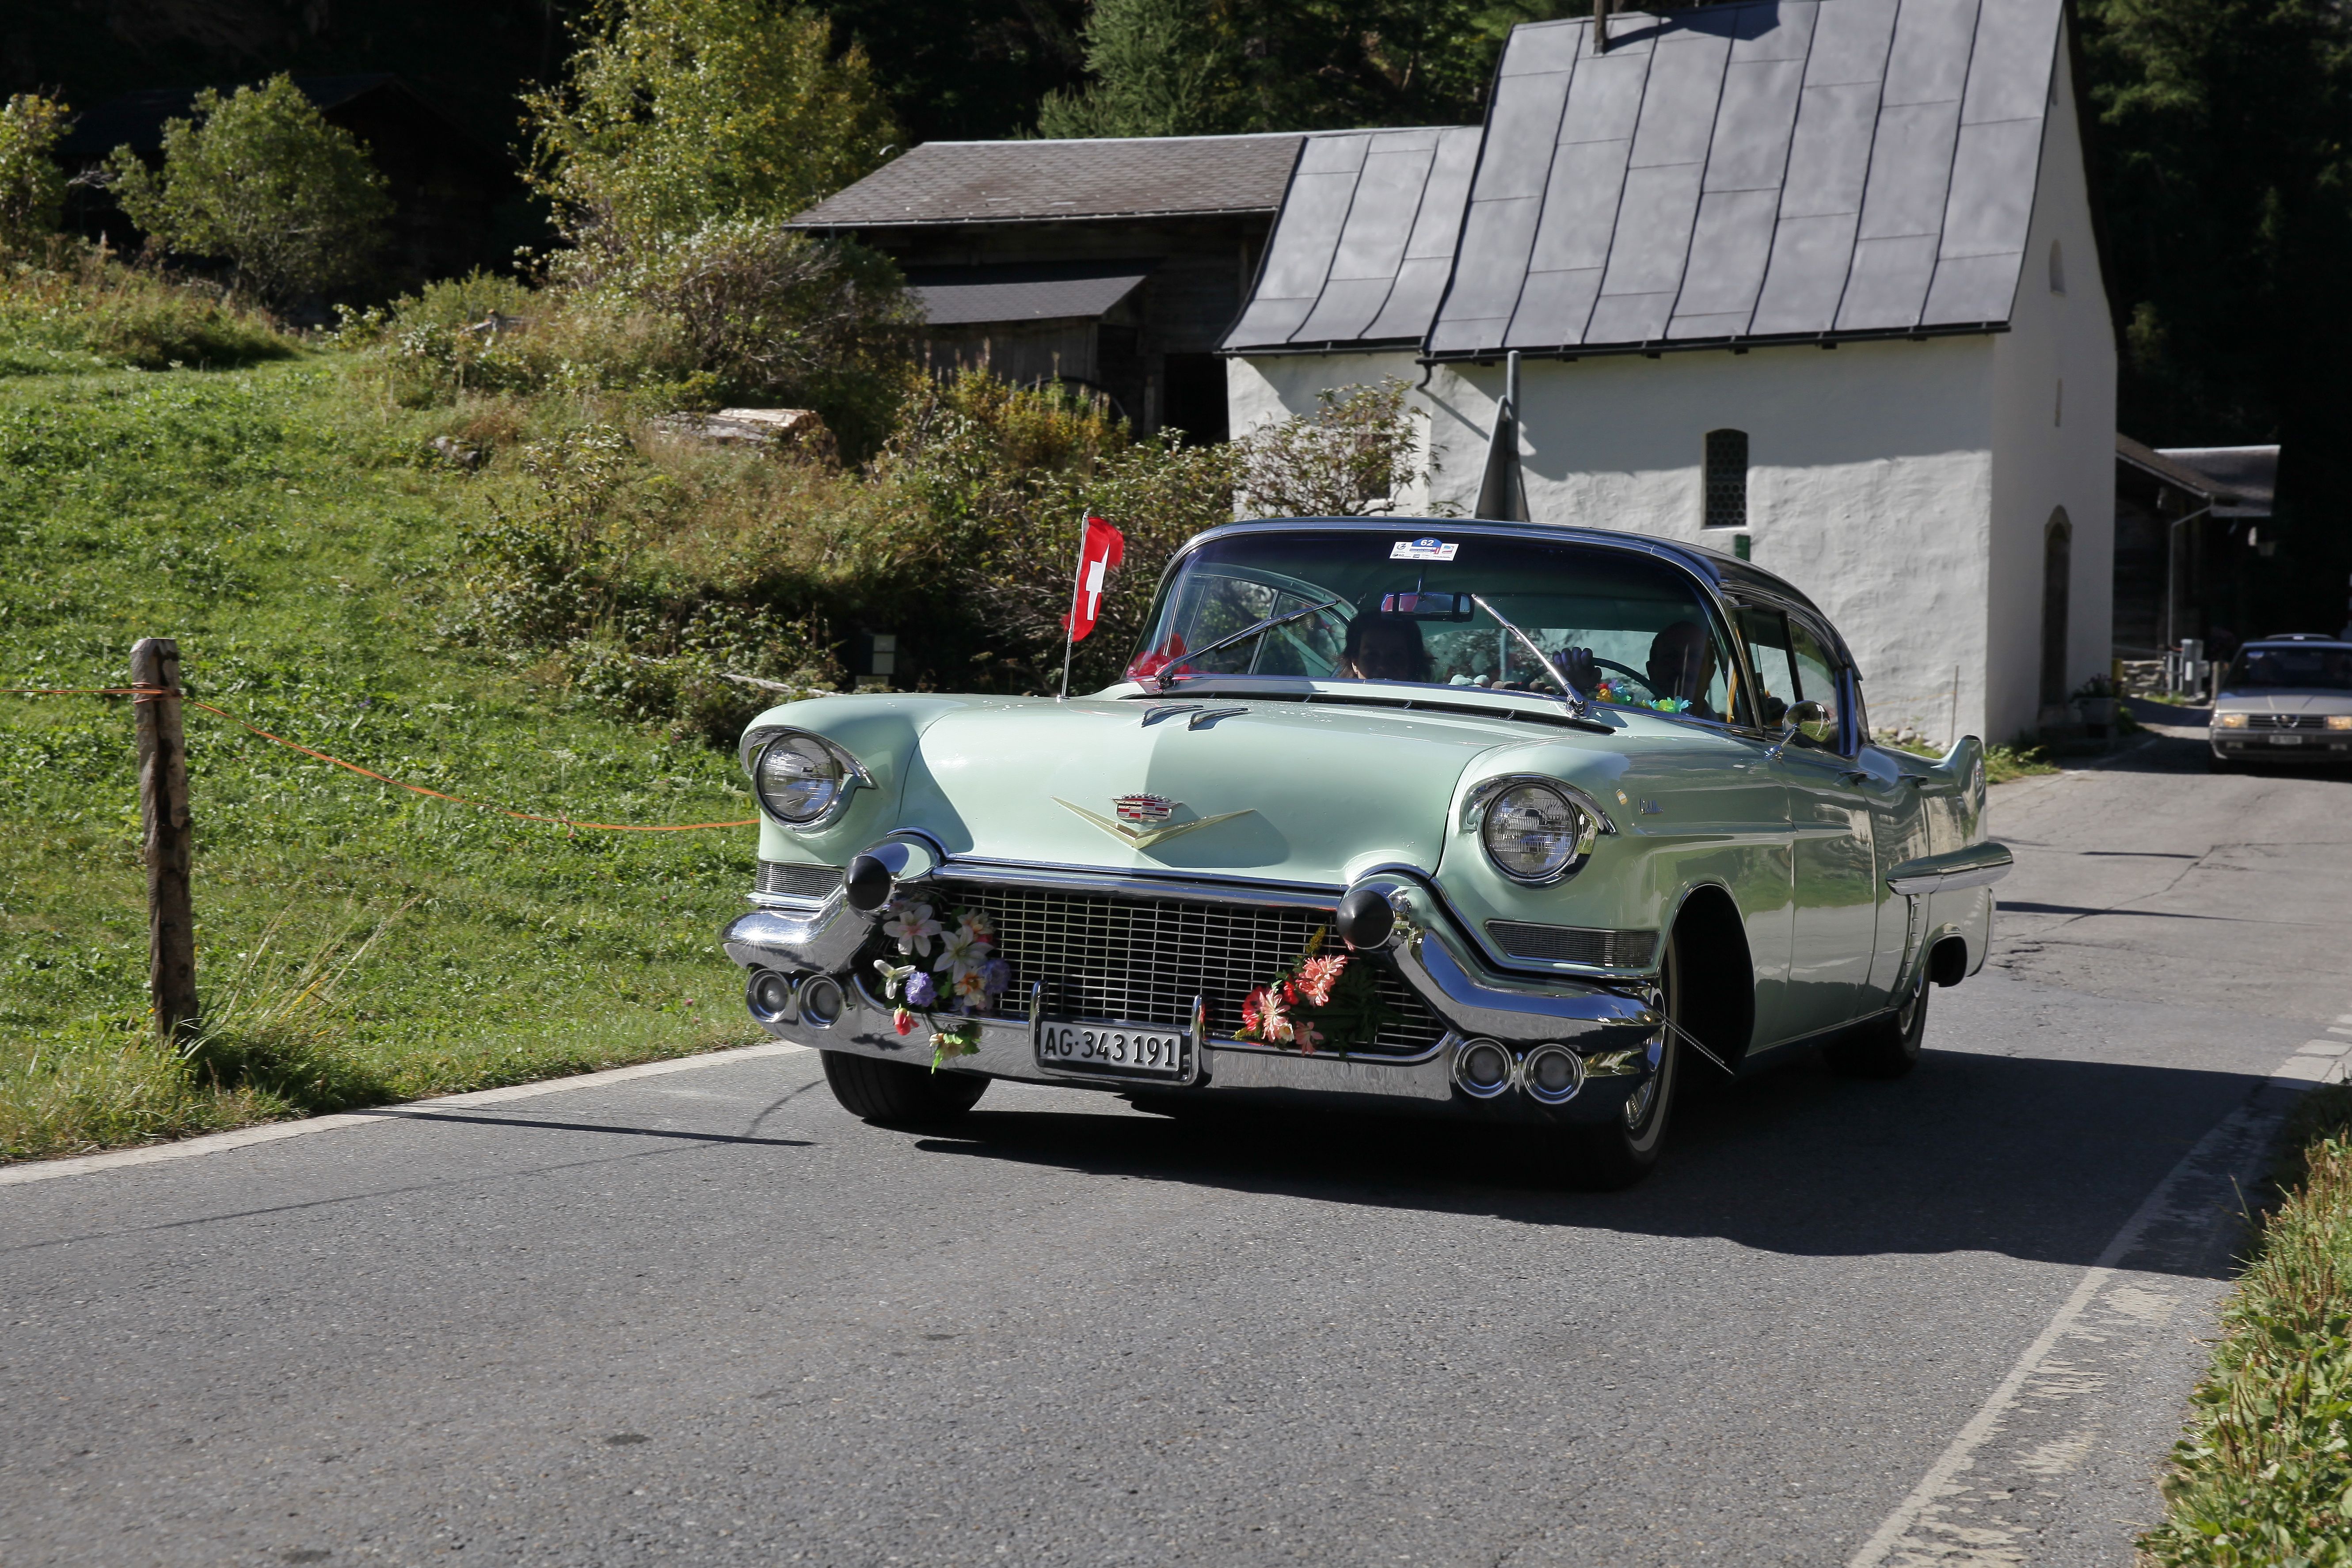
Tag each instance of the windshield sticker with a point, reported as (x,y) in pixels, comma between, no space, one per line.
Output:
(1423,550)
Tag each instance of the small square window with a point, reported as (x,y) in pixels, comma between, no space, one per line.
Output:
(1726,478)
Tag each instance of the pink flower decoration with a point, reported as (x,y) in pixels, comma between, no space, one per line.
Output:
(1308,1038)
(1318,976)
(904,1021)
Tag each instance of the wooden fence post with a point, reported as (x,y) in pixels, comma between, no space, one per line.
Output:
(163,810)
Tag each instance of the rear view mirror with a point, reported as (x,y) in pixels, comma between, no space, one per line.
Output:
(1422,607)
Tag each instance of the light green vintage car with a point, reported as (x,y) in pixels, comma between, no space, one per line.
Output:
(1481,819)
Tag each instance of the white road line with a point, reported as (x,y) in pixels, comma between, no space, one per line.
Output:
(1961,1454)
(269,1132)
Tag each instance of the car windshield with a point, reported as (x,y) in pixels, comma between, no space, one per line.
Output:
(1624,629)
(2298,667)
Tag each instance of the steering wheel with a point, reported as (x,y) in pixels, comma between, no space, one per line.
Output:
(1610,664)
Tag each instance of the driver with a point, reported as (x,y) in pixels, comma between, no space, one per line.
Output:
(1682,665)
(1384,647)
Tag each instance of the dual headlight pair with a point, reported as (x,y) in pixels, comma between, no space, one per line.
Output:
(2240,721)
(1534,831)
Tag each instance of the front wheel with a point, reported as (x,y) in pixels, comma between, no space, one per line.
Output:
(1606,1155)
(900,1094)
(1888,1046)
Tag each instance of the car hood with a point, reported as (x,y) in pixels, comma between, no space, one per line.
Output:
(2284,703)
(1281,790)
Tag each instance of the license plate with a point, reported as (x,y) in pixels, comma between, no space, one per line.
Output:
(2286,740)
(1118,1049)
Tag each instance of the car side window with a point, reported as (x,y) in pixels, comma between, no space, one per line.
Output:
(1766,633)
(1817,681)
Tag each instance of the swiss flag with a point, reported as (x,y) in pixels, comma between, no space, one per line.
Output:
(1103,548)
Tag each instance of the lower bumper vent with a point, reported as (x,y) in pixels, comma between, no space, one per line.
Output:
(1574,944)
(790,880)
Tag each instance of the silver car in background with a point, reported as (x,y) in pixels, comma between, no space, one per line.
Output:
(2286,699)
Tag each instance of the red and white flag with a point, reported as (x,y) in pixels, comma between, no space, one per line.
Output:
(1103,547)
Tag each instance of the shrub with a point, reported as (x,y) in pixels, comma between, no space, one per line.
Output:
(32,188)
(263,181)
(1349,457)
(773,314)
(679,113)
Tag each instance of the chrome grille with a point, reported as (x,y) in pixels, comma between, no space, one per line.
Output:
(2286,721)
(790,880)
(1574,944)
(1138,961)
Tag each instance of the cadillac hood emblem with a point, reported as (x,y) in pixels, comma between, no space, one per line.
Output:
(1146,810)
(1144,820)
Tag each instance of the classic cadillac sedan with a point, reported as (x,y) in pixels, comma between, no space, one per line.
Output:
(1533,825)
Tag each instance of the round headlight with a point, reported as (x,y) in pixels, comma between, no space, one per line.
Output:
(799,778)
(1533,832)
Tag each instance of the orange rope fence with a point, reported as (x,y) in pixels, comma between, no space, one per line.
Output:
(148,693)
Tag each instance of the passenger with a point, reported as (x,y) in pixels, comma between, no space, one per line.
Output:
(1384,647)
(1682,665)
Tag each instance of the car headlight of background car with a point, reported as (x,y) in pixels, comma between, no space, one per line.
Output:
(2339,720)
(2229,721)
(1535,830)
(803,780)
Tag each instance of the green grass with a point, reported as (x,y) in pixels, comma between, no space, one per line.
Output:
(355,943)
(2264,1475)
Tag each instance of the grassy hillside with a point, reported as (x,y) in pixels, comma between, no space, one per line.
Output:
(299,538)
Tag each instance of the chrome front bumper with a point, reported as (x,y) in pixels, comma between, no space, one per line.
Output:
(1615,1034)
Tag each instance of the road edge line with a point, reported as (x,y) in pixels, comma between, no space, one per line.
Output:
(1962,1452)
(271,1132)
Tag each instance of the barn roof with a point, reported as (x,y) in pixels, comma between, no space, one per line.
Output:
(1042,181)
(1365,241)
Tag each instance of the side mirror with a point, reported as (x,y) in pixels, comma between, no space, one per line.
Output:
(1800,714)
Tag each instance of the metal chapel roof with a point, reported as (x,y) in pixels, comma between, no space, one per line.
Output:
(1772,170)
(1365,241)
(1042,181)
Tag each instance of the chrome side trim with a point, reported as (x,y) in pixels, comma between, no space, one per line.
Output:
(1977,865)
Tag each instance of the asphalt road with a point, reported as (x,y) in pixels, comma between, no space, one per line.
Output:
(704,1316)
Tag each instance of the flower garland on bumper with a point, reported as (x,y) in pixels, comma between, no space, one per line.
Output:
(1321,999)
(963,981)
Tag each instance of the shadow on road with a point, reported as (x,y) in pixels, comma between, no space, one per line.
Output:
(2027,1157)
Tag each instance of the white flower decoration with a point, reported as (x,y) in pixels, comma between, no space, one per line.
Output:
(961,950)
(912,926)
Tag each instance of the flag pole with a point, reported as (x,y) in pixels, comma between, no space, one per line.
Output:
(1070,621)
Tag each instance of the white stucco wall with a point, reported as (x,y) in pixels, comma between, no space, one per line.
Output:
(1869,484)
(2052,451)
(1276,386)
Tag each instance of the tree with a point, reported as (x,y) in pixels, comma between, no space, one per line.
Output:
(32,189)
(262,181)
(684,112)
(2223,152)
(1203,67)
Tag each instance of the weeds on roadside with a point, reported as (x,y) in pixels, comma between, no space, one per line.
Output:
(2264,1475)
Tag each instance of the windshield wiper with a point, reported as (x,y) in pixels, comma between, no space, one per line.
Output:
(1166,677)
(1575,699)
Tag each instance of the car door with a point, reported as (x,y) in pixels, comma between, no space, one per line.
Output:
(1834,885)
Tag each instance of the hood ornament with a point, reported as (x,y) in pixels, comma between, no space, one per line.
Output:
(1144,820)
(1146,810)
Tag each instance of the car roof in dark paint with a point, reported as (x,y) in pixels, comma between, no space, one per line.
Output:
(1719,570)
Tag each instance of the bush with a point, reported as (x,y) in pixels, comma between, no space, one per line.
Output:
(263,181)
(32,188)
(1348,458)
